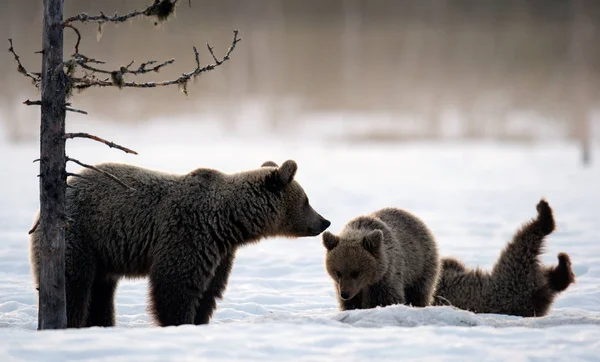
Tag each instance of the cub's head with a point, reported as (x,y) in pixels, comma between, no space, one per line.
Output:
(355,260)
(296,218)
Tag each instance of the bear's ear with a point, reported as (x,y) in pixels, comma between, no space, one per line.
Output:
(330,241)
(372,241)
(287,171)
(269,164)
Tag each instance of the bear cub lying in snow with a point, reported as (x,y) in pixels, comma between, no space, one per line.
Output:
(180,230)
(518,284)
(384,258)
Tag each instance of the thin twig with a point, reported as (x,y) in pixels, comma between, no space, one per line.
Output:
(82,62)
(101,140)
(35,77)
(78,37)
(445,300)
(112,177)
(151,10)
(210,49)
(142,68)
(86,82)
(85,59)
(39,103)
(32,103)
(70,174)
(75,110)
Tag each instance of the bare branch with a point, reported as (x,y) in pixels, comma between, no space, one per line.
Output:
(32,103)
(117,76)
(83,60)
(39,103)
(75,110)
(101,140)
(110,176)
(159,8)
(70,174)
(210,49)
(78,37)
(36,78)
(142,68)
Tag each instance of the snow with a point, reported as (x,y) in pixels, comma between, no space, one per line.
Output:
(280,303)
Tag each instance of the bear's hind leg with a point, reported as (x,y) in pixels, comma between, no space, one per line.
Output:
(560,276)
(79,276)
(177,282)
(102,303)
(217,286)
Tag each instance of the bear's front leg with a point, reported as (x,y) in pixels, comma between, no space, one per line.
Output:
(216,288)
(177,281)
(383,294)
(351,304)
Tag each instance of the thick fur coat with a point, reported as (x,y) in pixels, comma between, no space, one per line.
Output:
(387,257)
(518,284)
(182,231)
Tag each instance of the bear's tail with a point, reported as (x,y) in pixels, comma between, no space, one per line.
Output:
(562,275)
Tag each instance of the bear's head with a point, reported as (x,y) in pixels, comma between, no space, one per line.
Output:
(296,217)
(354,260)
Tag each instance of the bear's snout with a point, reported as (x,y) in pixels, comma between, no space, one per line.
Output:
(321,225)
(325,224)
(344,295)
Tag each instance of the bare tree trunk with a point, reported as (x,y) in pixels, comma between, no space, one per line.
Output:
(52,311)
(52,298)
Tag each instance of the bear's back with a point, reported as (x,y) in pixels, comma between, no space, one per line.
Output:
(120,222)
(95,199)
(417,246)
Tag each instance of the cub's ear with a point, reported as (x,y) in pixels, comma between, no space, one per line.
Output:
(269,164)
(287,171)
(330,241)
(372,241)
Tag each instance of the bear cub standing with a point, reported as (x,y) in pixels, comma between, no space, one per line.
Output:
(384,258)
(518,284)
(180,230)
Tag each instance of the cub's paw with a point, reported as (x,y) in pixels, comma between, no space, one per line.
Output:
(545,217)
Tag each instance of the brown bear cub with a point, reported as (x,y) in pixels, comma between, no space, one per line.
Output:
(387,257)
(180,230)
(518,284)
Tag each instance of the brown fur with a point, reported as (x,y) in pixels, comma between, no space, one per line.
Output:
(387,257)
(180,230)
(518,284)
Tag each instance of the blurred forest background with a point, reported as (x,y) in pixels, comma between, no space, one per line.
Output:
(413,69)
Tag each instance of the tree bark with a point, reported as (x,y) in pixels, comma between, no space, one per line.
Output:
(52,296)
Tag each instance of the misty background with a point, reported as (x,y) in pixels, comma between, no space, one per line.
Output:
(506,70)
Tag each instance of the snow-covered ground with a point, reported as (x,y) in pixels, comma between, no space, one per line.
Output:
(280,304)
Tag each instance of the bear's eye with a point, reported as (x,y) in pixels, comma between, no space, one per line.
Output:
(354,275)
(338,274)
